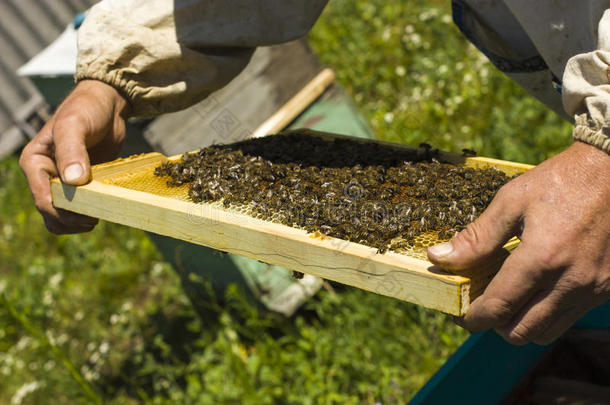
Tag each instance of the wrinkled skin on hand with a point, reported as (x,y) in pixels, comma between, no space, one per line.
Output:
(87,128)
(561,269)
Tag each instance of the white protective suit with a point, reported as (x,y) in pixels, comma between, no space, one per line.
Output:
(165,55)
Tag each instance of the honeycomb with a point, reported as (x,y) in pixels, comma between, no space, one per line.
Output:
(145,181)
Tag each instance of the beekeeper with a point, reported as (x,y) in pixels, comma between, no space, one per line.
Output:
(148,57)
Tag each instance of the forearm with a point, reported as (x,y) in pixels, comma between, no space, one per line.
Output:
(165,55)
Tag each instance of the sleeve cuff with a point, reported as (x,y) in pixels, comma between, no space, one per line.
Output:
(592,132)
(121,86)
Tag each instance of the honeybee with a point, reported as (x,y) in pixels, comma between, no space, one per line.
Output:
(303,181)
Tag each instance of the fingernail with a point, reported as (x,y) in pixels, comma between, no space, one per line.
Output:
(73,172)
(440,250)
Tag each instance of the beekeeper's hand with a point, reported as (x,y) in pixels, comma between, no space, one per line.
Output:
(87,128)
(561,270)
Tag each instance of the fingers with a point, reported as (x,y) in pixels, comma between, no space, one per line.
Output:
(69,222)
(526,304)
(38,166)
(509,291)
(91,121)
(532,320)
(69,134)
(483,238)
(559,271)
(548,314)
(542,320)
(559,326)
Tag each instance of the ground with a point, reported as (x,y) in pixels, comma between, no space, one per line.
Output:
(101,317)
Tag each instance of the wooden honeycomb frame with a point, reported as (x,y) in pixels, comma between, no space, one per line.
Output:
(126,191)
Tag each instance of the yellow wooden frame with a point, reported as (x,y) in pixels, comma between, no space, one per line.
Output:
(392,274)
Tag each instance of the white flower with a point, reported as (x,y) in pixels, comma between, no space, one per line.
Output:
(104,347)
(23,343)
(428,15)
(89,374)
(35,269)
(400,70)
(7,359)
(114,319)
(7,230)
(157,269)
(55,280)
(131,244)
(387,33)
(62,339)
(24,390)
(415,39)
(94,357)
(388,117)
(127,306)
(50,337)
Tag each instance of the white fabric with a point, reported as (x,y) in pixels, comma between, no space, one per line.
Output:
(587,90)
(165,55)
(573,38)
(504,35)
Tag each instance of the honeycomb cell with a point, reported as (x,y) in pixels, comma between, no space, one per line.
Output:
(372,194)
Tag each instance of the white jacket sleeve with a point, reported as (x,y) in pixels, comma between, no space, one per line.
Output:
(165,55)
(586,90)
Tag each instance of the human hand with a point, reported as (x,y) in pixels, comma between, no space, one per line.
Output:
(561,268)
(87,128)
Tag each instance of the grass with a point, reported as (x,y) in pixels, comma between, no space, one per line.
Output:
(100,317)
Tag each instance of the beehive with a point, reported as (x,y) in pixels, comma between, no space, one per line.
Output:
(126,191)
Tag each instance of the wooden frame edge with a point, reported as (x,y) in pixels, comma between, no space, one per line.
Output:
(390,274)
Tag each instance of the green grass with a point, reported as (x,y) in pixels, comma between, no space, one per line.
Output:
(101,317)
(416,79)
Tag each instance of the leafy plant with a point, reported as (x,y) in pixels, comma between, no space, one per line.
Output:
(109,305)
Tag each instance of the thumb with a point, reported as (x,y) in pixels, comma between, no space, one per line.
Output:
(71,157)
(482,240)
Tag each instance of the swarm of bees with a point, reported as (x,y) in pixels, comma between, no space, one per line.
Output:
(368,193)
